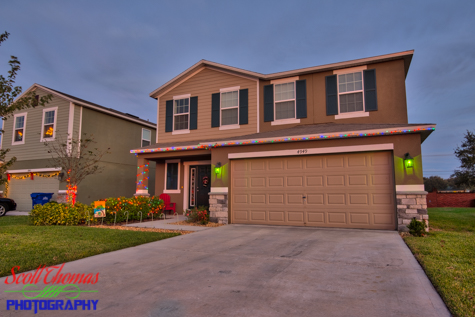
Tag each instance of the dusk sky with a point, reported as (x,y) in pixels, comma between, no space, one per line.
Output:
(114,53)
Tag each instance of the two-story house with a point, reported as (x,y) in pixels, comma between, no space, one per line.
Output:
(69,117)
(326,146)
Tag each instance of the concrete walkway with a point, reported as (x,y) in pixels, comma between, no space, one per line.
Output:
(238,270)
(17,213)
(166,224)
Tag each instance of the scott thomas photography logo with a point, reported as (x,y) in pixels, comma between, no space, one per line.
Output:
(58,291)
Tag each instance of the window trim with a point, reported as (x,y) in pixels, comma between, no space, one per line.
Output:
(172,191)
(23,114)
(141,143)
(54,124)
(182,131)
(228,126)
(286,120)
(353,114)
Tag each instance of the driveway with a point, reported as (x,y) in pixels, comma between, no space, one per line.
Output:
(240,270)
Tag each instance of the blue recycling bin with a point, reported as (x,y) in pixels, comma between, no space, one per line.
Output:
(40,198)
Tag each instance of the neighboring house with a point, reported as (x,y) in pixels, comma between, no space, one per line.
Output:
(67,116)
(320,146)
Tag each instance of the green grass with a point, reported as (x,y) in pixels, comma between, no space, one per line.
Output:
(30,246)
(447,255)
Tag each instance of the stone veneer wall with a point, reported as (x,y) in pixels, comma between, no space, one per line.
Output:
(218,207)
(411,205)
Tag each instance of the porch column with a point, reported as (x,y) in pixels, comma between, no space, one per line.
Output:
(142,177)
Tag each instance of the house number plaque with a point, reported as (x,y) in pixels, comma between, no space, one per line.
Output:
(302,151)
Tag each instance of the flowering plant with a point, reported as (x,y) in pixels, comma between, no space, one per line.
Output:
(199,215)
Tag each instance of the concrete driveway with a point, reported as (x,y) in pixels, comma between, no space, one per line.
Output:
(239,270)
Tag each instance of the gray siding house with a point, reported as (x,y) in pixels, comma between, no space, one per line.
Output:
(27,130)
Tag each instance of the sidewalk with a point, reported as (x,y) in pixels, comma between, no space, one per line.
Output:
(165,224)
(17,213)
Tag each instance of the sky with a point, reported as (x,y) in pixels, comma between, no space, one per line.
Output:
(114,53)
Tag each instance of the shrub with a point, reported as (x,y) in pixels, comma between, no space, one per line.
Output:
(53,213)
(199,215)
(417,228)
(118,208)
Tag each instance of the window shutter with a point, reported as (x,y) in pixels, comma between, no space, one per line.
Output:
(193,113)
(332,94)
(243,106)
(215,109)
(268,103)
(301,94)
(370,97)
(169,116)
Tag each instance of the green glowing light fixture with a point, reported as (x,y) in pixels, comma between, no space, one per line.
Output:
(217,168)
(408,161)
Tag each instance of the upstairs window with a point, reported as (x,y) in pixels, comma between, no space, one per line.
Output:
(230,108)
(19,128)
(284,101)
(49,124)
(146,137)
(181,112)
(350,92)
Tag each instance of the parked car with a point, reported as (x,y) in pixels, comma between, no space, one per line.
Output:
(6,204)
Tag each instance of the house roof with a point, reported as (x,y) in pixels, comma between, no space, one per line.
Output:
(296,134)
(91,105)
(406,56)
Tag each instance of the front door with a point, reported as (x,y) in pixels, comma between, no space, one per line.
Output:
(200,184)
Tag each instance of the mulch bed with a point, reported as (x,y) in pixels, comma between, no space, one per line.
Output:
(143,229)
(210,224)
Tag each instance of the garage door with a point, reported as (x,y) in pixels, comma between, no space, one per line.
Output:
(343,190)
(20,189)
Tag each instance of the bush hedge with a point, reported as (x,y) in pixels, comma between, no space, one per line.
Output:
(137,207)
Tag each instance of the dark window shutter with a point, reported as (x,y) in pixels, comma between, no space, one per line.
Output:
(193,113)
(301,94)
(268,103)
(243,106)
(169,116)
(370,98)
(215,109)
(332,94)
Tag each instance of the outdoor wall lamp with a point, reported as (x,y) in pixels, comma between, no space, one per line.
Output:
(217,168)
(60,176)
(408,161)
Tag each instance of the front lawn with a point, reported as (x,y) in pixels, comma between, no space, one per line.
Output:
(447,255)
(29,246)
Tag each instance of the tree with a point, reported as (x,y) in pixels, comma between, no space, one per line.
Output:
(8,104)
(465,176)
(77,158)
(434,182)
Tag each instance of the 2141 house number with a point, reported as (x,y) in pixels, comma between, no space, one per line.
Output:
(302,151)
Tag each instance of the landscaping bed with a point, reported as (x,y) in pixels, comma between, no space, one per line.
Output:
(447,255)
(197,224)
(31,246)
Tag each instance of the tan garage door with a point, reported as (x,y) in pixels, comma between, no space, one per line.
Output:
(20,189)
(343,190)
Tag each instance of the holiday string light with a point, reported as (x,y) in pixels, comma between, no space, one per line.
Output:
(145,172)
(320,136)
(28,175)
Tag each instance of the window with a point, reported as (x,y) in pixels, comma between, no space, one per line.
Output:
(49,123)
(19,122)
(172,177)
(146,137)
(350,92)
(181,112)
(284,96)
(230,107)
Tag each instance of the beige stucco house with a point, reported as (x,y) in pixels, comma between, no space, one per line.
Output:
(326,146)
